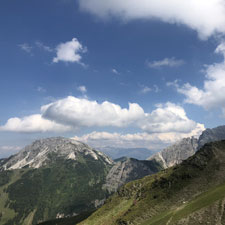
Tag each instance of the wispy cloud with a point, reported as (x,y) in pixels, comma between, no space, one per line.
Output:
(44,47)
(115,71)
(26,47)
(146,89)
(167,62)
(82,89)
(41,89)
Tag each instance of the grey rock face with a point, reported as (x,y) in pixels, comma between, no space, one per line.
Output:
(211,135)
(2,161)
(128,169)
(176,153)
(39,153)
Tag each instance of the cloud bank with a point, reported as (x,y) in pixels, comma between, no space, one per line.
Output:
(205,17)
(165,124)
(151,141)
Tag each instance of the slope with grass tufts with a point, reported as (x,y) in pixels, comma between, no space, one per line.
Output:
(191,193)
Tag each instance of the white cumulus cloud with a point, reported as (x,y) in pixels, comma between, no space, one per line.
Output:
(205,17)
(78,112)
(69,52)
(83,112)
(167,117)
(33,123)
(212,94)
(71,113)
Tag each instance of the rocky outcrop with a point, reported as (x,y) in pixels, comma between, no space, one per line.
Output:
(129,169)
(176,153)
(211,135)
(187,147)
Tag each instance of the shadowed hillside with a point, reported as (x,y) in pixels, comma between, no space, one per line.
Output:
(191,193)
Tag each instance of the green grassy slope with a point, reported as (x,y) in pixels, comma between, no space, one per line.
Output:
(29,196)
(68,221)
(191,193)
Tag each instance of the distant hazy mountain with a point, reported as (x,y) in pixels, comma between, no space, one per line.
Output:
(137,153)
(176,153)
(191,193)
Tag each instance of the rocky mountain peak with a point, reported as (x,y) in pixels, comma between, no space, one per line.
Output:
(177,152)
(187,147)
(40,153)
(211,135)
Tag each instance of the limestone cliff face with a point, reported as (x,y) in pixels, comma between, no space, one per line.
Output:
(128,169)
(176,153)
(211,135)
(40,153)
(187,147)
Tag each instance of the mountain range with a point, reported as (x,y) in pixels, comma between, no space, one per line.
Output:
(52,178)
(63,179)
(59,178)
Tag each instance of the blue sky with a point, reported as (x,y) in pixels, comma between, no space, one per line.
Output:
(72,67)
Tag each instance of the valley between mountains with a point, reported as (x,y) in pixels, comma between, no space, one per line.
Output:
(64,181)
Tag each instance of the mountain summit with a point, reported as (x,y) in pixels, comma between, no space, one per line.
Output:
(52,178)
(187,147)
(44,151)
(211,135)
(176,153)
